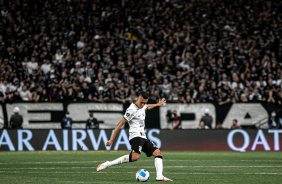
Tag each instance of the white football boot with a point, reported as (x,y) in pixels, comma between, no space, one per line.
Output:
(103,166)
(162,178)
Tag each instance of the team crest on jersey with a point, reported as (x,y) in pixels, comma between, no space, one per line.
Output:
(127,114)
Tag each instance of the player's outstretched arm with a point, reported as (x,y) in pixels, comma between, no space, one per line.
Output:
(118,127)
(159,104)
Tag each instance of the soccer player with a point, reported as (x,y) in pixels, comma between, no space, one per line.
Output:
(135,116)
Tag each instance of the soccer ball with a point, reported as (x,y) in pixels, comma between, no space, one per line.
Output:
(142,175)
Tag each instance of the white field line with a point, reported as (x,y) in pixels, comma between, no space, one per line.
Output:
(95,161)
(132,167)
(226,166)
(177,173)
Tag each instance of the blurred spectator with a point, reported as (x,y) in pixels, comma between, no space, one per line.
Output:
(16,85)
(59,56)
(218,126)
(270,97)
(223,97)
(54,95)
(173,97)
(16,96)
(132,97)
(274,121)
(166,88)
(71,95)
(46,67)
(62,96)
(9,98)
(66,122)
(176,121)
(201,95)
(44,97)
(255,96)
(16,119)
(3,87)
(25,93)
(188,98)
(168,118)
(154,92)
(99,96)
(32,65)
(235,124)
(122,95)
(92,123)
(207,119)
(202,125)
(79,96)
(243,98)
(34,96)
(89,98)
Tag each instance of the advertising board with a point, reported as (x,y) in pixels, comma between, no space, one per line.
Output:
(177,140)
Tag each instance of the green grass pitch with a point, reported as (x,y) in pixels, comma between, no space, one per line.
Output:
(182,167)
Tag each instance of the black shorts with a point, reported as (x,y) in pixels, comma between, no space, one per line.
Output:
(139,144)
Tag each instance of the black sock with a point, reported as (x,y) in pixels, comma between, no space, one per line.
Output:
(130,157)
(157,157)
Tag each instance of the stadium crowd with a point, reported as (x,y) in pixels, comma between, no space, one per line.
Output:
(106,50)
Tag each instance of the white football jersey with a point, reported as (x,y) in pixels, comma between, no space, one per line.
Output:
(136,120)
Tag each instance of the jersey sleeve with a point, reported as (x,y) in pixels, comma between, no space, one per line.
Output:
(146,107)
(129,114)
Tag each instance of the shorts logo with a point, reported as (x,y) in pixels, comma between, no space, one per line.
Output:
(140,148)
(154,145)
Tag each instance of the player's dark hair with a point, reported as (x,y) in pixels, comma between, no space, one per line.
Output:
(143,94)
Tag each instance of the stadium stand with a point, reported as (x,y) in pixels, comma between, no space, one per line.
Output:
(105,50)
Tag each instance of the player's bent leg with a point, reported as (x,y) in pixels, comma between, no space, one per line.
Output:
(120,160)
(133,157)
(159,166)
